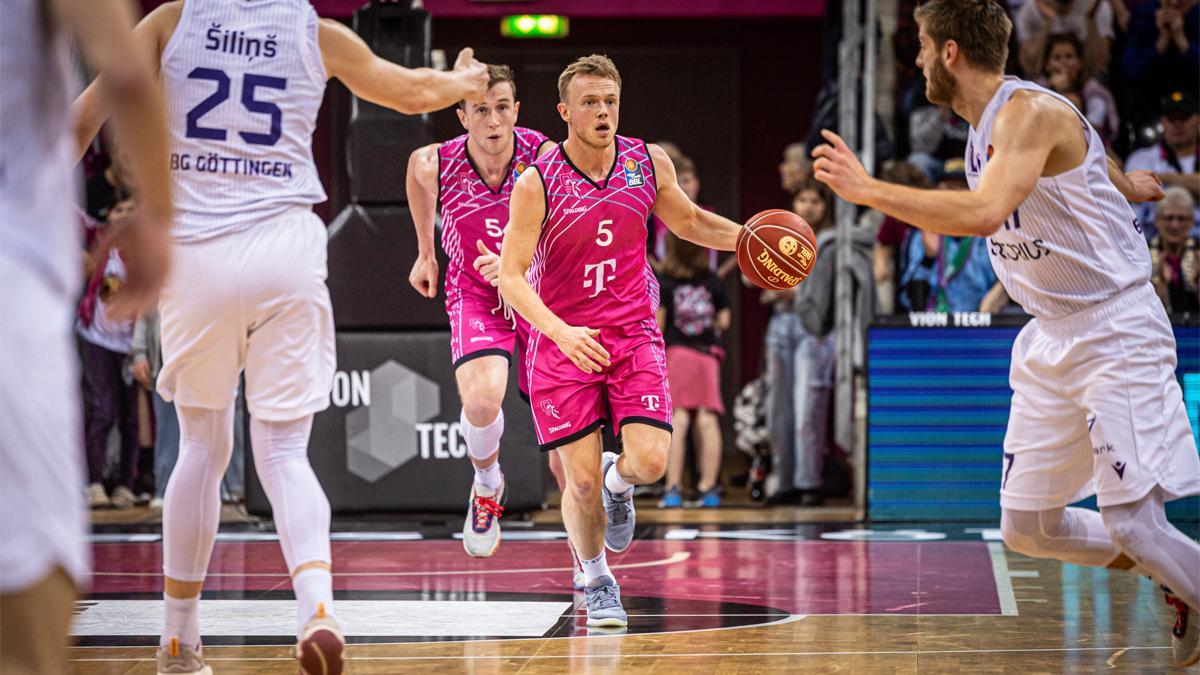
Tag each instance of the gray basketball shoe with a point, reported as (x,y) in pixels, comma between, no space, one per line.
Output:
(604,603)
(618,533)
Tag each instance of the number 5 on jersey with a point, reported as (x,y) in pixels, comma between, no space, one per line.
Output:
(604,236)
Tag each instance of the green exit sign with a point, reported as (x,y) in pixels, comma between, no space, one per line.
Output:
(535,26)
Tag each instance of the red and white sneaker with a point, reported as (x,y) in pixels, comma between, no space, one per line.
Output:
(321,647)
(481,531)
(1185,634)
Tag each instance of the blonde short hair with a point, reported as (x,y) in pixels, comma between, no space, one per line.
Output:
(594,64)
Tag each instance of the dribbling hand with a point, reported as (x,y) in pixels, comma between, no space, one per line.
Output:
(473,73)
(487,264)
(424,276)
(838,167)
(579,344)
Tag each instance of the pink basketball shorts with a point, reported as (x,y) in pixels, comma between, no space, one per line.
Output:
(568,404)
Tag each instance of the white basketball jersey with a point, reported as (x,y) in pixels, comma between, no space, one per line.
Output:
(37,177)
(244,81)
(1074,242)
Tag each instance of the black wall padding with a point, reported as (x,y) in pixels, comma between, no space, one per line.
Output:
(380,140)
(390,439)
(371,251)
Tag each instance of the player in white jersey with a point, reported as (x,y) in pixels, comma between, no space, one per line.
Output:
(44,560)
(245,81)
(1096,407)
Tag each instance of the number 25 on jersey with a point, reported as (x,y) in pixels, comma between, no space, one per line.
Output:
(250,82)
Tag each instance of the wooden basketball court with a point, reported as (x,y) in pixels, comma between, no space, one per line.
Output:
(709,591)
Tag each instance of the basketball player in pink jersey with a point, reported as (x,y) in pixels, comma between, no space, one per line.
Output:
(244,83)
(45,560)
(468,179)
(577,228)
(1096,408)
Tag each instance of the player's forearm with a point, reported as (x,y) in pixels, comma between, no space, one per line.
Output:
(423,212)
(89,115)
(141,131)
(708,229)
(428,90)
(949,212)
(517,292)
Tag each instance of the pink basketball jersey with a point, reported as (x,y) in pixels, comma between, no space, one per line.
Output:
(590,264)
(473,211)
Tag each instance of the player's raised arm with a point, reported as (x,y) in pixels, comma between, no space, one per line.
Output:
(128,89)
(406,90)
(682,216)
(1023,137)
(92,109)
(422,186)
(527,210)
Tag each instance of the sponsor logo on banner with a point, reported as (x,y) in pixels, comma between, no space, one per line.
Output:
(393,421)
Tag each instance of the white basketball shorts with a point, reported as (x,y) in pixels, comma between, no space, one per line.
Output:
(253,300)
(1096,409)
(43,514)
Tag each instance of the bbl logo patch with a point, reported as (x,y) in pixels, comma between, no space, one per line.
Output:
(989,152)
(633,174)
(518,170)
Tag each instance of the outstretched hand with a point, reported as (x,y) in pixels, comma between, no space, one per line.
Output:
(1145,186)
(487,264)
(474,74)
(838,167)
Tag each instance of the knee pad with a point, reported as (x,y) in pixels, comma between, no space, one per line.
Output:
(1027,532)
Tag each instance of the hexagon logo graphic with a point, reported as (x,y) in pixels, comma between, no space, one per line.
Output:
(382,436)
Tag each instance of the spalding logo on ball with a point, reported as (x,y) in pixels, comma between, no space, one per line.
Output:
(776,249)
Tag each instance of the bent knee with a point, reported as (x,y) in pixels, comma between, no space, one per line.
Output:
(649,466)
(1126,533)
(1022,532)
(583,486)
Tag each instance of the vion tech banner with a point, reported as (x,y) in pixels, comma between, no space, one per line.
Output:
(390,440)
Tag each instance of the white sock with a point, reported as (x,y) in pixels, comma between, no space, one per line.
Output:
(182,621)
(596,567)
(490,477)
(482,442)
(313,586)
(614,482)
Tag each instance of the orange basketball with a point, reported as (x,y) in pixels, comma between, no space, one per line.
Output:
(776,249)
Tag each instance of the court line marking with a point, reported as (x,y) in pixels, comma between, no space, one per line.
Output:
(676,557)
(656,655)
(1004,588)
(787,619)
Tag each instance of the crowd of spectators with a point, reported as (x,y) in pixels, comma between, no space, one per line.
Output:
(1130,67)
(131,435)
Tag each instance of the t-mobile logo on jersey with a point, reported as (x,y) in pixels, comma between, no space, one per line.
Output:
(651,402)
(600,271)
